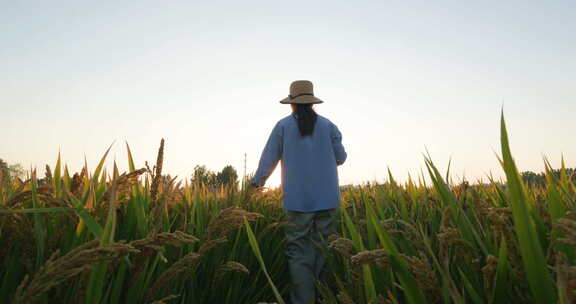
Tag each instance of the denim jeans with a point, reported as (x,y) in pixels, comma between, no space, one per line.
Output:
(306,242)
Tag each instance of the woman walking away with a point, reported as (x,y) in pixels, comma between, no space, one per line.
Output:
(310,147)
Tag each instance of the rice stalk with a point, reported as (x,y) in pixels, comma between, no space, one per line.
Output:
(57,270)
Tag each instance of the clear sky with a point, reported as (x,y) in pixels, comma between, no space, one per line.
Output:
(397,78)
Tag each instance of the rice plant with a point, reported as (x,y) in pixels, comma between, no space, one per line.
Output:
(143,237)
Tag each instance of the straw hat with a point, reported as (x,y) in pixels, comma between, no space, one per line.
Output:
(302,92)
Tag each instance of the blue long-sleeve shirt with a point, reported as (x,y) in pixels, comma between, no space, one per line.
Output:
(309,164)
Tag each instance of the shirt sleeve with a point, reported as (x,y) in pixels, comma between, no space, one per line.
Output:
(339,151)
(270,156)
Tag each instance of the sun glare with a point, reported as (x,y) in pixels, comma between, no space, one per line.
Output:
(274,180)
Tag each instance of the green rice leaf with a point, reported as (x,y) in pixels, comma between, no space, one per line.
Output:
(131,166)
(409,284)
(369,286)
(539,279)
(57,178)
(37,210)
(501,277)
(258,254)
(100,165)
(39,225)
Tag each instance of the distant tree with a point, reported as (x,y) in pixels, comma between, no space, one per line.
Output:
(11,171)
(3,165)
(533,179)
(16,171)
(4,171)
(213,180)
(539,179)
(204,176)
(228,176)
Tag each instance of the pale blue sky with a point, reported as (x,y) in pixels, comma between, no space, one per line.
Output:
(397,77)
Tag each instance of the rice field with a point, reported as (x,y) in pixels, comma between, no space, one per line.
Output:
(140,236)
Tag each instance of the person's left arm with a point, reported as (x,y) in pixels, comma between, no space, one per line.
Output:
(270,156)
(339,151)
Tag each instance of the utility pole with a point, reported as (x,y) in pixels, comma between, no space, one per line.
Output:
(244,178)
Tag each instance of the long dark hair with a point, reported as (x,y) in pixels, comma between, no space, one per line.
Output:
(306,119)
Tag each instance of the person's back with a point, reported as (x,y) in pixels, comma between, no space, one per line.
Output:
(309,164)
(310,148)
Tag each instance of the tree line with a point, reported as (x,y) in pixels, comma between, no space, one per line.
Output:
(9,172)
(539,179)
(213,180)
(228,176)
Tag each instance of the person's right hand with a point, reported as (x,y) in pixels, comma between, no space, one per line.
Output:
(256,188)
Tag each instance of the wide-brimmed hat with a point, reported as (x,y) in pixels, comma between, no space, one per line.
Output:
(301,92)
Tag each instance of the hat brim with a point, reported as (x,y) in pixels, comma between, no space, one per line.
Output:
(307,99)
